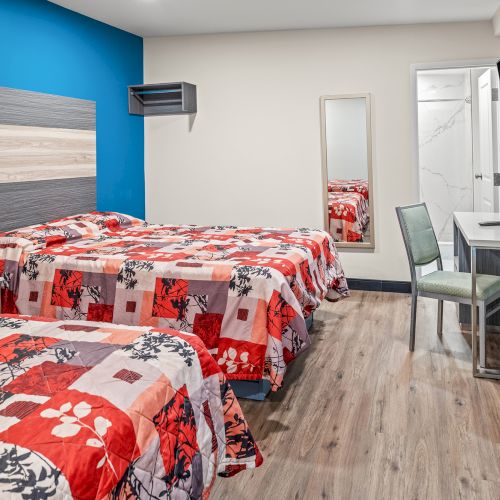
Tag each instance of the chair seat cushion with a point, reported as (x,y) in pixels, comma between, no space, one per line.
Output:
(459,284)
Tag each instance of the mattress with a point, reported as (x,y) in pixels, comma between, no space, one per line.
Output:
(94,410)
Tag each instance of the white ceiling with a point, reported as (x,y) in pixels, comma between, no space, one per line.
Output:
(182,17)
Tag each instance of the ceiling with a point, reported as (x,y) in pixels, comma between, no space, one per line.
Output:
(182,17)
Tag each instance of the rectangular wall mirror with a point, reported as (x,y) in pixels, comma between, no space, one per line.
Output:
(347,169)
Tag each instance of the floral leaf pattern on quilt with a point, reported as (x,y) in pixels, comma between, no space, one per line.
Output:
(12,323)
(30,268)
(104,426)
(16,352)
(127,274)
(215,281)
(176,423)
(170,299)
(240,442)
(242,276)
(27,474)
(71,423)
(151,344)
(232,360)
(349,215)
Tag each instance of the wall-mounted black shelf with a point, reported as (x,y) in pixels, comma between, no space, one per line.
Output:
(162,99)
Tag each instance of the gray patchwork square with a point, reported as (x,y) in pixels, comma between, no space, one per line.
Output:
(216,291)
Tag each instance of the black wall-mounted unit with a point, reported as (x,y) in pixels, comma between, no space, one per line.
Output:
(162,99)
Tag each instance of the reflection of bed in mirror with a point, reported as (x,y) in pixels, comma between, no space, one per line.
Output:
(348,210)
(346,140)
(350,186)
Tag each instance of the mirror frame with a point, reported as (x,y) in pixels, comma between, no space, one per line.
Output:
(369,152)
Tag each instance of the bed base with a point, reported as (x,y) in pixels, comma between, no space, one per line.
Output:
(251,389)
(309,322)
(257,390)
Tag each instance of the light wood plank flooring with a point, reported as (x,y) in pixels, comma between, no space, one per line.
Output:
(362,418)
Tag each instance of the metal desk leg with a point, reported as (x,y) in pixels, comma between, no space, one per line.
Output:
(474,310)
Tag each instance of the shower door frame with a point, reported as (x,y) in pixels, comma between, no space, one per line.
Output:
(414,68)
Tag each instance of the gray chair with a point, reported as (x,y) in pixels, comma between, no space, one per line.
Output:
(422,249)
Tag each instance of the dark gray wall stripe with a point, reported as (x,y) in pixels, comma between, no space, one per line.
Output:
(379,285)
(26,203)
(21,107)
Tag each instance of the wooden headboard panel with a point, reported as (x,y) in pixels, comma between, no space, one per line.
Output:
(47,157)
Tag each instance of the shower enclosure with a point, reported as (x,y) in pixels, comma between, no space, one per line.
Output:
(451,147)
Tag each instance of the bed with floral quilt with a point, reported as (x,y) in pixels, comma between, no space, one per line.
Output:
(348,214)
(350,186)
(245,291)
(95,410)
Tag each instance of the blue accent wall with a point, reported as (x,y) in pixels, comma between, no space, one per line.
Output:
(46,48)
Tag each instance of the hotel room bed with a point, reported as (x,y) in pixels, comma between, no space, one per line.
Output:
(350,186)
(245,291)
(348,214)
(93,410)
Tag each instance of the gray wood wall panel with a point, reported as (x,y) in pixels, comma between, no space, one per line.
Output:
(22,107)
(26,203)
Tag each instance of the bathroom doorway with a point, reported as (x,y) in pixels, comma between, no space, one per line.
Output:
(457,132)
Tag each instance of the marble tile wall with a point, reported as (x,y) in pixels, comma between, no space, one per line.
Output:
(445,146)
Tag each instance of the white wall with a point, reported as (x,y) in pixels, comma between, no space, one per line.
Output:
(346,149)
(252,154)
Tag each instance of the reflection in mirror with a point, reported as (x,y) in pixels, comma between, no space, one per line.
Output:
(347,166)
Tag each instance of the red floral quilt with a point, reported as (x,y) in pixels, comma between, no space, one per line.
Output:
(349,186)
(14,244)
(93,410)
(349,216)
(244,291)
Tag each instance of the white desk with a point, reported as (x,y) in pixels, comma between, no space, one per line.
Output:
(478,237)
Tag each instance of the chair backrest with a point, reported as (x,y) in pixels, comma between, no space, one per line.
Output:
(419,237)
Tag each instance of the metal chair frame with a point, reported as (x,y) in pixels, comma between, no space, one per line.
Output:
(482,304)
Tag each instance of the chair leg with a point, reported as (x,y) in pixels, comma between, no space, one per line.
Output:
(440,318)
(482,335)
(413,320)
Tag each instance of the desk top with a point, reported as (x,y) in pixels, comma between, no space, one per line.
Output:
(476,235)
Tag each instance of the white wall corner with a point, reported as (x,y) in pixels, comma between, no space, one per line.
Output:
(496,22)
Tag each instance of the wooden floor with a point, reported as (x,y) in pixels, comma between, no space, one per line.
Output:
(362,418)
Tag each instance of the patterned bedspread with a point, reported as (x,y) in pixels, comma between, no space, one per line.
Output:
(244,291)
(349,215)
(15,244)
(92,410)
(350,186)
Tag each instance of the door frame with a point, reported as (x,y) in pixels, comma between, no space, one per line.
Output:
(414,68)
(481,188)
